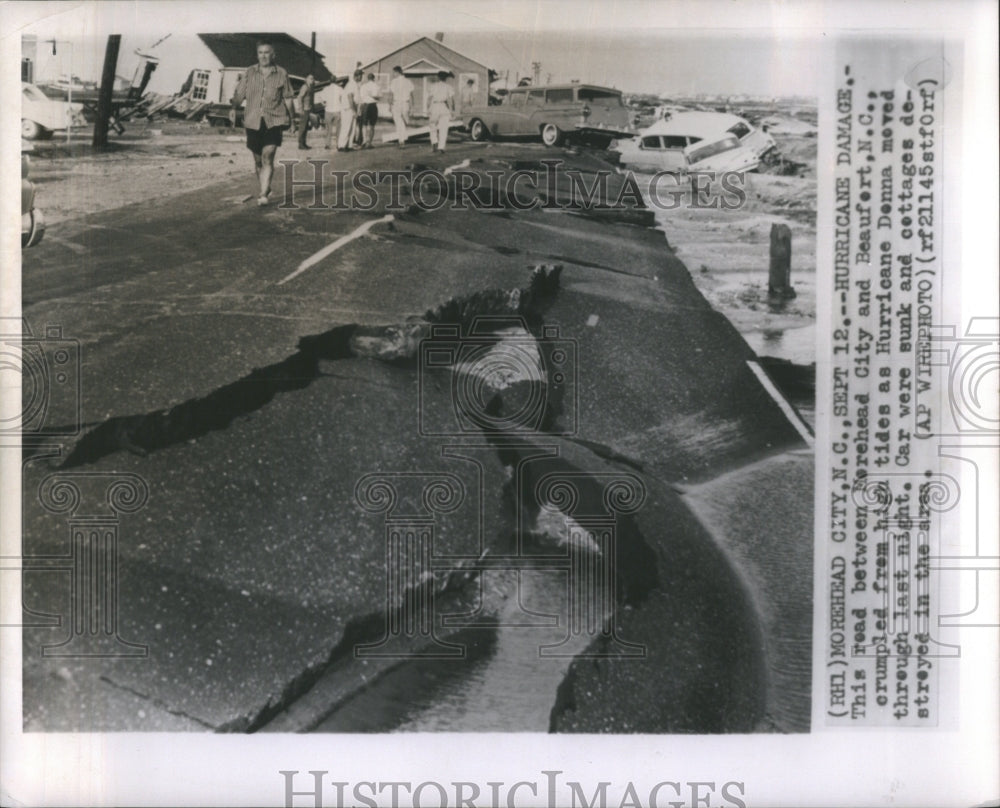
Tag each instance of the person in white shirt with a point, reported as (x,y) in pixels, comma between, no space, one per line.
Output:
(368,115)
(332,98)
(469,94)
(441,98)
(348,113)
(401,89)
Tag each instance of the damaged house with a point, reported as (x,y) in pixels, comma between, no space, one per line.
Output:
(215,63)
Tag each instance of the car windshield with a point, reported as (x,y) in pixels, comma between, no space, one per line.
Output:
(516,99)
(535,96)
(612,97)
(712,149)
(32,93)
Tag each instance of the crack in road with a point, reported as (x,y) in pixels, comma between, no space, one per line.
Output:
(634,565)
(148,432)
(157,703)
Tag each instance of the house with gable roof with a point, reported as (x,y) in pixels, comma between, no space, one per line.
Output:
(423,58)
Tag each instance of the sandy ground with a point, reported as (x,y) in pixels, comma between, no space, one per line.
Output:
(147,162)
(726,251)
(727,254)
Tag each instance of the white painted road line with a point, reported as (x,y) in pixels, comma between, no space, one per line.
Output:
(786,408)
(463,164)
(315,258)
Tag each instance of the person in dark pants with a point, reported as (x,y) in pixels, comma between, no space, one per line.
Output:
(306,97)
(354,90)
(441,106)
(369,92)
(268,94)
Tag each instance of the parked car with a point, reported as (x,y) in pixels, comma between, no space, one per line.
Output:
(552,113)
(32,221)
(41,115)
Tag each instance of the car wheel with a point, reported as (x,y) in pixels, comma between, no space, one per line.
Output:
(552,135)
(31,130)
(478,131)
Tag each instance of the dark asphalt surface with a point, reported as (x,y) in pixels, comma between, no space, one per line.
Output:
(252,556)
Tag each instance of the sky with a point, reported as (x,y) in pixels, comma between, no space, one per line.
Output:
(604,43)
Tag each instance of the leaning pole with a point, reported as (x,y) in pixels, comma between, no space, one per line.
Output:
(107,87)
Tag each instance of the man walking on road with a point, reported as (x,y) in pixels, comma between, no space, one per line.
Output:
(268,94)
(441,98)
(306,98)
(333,99)
(401,90)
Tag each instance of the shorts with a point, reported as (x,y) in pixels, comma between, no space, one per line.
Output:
(368,114)
(257,139)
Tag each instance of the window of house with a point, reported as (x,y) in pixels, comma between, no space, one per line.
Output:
(199,87)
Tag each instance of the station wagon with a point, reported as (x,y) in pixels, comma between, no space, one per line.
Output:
(552,113)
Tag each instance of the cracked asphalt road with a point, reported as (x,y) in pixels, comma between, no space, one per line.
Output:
(252,561)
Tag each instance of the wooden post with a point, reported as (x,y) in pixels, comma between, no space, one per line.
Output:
(107,87)
(779,280)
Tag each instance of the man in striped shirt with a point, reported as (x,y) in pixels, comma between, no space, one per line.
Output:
(268,94)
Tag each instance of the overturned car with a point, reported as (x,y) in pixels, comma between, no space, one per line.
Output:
(699,142)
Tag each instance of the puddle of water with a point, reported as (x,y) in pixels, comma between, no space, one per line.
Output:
(798,345)
(505,684)
(515,688)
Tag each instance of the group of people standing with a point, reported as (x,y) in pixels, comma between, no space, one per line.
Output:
(351,110)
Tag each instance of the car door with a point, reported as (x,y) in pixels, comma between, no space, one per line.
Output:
(502,117)
(560,108)
(661,153)
(533,117)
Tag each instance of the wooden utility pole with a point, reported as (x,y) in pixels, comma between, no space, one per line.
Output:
(779,278)
(107,87)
